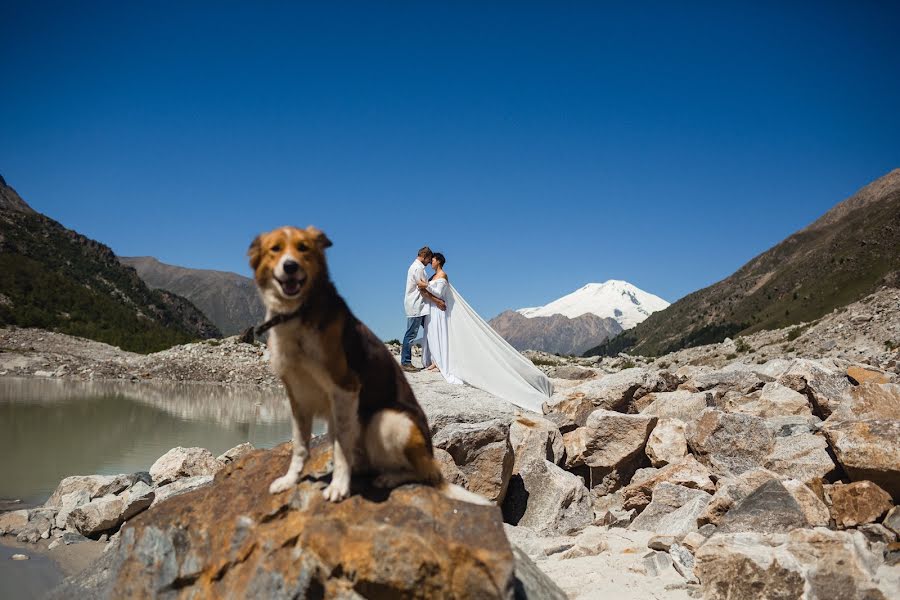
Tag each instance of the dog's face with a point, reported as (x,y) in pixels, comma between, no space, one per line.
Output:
(287,263)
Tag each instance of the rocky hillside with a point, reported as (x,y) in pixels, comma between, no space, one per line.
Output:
(228,299)
(843,256)
(556,334)
(55,278)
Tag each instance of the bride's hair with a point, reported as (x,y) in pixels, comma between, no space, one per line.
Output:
(440,258)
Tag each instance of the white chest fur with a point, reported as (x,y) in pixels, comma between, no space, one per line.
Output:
(295,350)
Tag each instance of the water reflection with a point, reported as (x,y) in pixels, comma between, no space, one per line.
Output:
(50,429)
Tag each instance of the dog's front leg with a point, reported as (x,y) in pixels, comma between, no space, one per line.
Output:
(344,430)
(301,429)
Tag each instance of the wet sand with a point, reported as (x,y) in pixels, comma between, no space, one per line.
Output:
(44,569)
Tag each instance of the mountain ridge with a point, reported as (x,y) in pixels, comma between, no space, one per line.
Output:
(844,255)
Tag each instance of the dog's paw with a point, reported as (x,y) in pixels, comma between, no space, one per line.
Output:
(283,483)
(337,490)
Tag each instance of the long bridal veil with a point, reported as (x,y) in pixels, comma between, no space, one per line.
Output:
(482,358)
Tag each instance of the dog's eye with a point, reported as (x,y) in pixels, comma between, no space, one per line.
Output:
(275,248)
(302,247)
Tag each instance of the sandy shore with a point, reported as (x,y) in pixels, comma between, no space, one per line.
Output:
(44,569)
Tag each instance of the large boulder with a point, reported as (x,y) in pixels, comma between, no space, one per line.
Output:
(868,450)
(823,384)
(180,486)
(770,508)
(234,539)
(610,392)
(673,510)
(184,462)
(814,510)
(13,522)
(802,456)
(683,405)
(858,503)
(545,498)
(729,443)
(91,484)
(484,454)
(731,490)
(686,473)
(107,513)
(608,439)
(805,563)
(869,401)
(666,443)
(774,400)
(535,437)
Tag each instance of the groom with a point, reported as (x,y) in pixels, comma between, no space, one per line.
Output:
(415,306)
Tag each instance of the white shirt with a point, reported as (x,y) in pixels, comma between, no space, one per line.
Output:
(413,303)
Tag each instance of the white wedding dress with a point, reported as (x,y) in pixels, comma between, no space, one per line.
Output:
(467,350)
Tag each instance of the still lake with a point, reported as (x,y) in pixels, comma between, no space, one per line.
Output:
(53,428)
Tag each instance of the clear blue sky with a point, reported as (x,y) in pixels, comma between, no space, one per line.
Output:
(540,146)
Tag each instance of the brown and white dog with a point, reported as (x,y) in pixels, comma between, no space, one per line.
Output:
(334,367)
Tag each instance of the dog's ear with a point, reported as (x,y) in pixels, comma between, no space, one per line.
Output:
(255,252)
(319,237)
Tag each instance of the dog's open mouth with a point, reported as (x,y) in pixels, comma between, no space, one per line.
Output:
(290,287)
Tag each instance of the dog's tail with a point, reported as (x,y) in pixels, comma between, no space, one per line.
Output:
(456,492)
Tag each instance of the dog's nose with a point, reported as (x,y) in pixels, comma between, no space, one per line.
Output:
(290,267)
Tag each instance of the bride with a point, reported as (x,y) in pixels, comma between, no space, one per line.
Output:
(465,349)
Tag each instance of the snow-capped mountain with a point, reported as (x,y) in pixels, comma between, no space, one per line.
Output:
(619,300)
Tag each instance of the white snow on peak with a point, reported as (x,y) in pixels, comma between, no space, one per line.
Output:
(617,299)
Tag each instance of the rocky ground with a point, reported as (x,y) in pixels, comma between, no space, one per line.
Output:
(767,466)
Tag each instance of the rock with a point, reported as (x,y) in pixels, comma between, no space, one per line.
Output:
(609,439)
(673,510)
(892,520)
(547,499)
(184,462)
(19,557)
(180,486)
(687,473)
(739,380)
(13,522)
(70,502)
(661,542)
(862,375)
(122,482)
(683,561)
(534,437)
(531,583)
(775,400)
(449,469)
(731,490)
(482,451)
(229,456)
(693,540)
(656,563)
(803,456)
(804,563)
(869,401)
(610,392)
(729,443)
(813,508)
(571,372)
(877,534)
(868,450)
(40,522)
(707,530)
(99,515)
(768,509)
(858,503)
(681,404)
(666,443)
(91,484)
(233,539)
(590,542)
(825,387)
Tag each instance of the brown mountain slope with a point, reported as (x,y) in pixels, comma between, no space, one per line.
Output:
(849,252)
(556,334)
(55,278)
(228,299)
